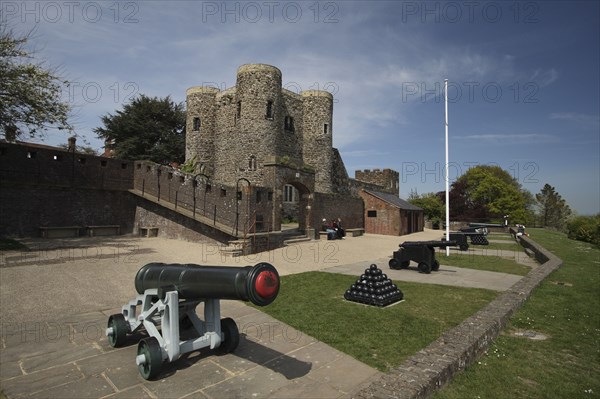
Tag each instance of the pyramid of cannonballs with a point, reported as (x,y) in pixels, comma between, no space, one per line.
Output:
(374,288)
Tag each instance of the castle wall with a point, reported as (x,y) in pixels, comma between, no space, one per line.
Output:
(388,180)
(258,121)
(42,186)
(318,138)
(229,206)
(289,141)
(340,180)
(245,126)
(333,206)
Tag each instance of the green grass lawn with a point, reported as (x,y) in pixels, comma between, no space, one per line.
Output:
(566,309)
(480,262)
(506,246)
(380,337)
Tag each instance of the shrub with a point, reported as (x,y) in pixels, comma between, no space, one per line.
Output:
(585,228)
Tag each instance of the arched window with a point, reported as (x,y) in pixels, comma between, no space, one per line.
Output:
(196,124)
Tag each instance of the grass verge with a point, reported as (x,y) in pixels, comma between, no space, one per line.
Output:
(564,308)
(313,302)
(481,262)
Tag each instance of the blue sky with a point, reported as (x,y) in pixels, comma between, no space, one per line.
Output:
(523,76)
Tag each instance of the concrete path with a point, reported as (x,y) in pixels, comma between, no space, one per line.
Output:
(446,275)
(55,300)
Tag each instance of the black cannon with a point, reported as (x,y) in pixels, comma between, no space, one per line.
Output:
(167,301)
(422,252)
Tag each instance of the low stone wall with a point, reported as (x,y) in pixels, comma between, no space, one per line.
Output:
(435,366)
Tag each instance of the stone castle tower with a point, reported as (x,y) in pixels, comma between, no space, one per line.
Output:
(233,134)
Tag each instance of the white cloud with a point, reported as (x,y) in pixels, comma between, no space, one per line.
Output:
(508,139)
(583,120)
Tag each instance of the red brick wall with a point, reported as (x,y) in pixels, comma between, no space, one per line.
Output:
(387,220)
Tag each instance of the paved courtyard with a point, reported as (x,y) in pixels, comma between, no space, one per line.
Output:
(55,300)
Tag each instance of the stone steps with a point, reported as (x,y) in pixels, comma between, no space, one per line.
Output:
(296,240)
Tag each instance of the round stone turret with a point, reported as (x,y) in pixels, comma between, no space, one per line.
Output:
(201,125)
(318,137)
(257,121)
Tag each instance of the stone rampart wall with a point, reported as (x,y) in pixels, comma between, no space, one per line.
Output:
(228,205)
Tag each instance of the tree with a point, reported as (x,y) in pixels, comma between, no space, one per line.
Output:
(147,129)
(554,210)
(30,93)
(432,205)
(488,192)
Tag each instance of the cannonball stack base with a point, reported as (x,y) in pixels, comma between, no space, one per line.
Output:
(374,288)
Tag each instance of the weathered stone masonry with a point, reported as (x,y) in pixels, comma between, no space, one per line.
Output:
(260,133)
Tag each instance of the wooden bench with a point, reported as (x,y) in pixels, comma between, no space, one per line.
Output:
(107,230)
(148,231)
(60,232)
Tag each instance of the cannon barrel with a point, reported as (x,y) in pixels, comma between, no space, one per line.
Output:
(258,284)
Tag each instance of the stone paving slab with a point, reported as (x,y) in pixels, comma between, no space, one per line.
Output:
(52,341)
(272,360)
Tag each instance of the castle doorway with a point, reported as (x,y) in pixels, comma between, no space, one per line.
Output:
(295,206)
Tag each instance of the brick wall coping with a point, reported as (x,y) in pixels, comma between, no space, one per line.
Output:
(435,366)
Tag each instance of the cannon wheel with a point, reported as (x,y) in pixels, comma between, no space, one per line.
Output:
(120,328)
(231,336)
(394,264)
(464,247)
(150,348)
(436,265)
(424,268)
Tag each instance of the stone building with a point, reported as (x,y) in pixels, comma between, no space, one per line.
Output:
(261,135)
(239,132)
(263,154)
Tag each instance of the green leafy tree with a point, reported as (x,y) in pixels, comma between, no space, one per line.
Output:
(30,93)
(553,209)
(486,193)
(148,128)
(432,205)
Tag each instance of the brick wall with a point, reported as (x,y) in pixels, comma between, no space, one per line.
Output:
(34,165)
(41,186)
(384,219)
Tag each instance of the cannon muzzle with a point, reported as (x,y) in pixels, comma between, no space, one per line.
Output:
(258,284)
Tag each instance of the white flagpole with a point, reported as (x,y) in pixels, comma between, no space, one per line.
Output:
(447,172)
